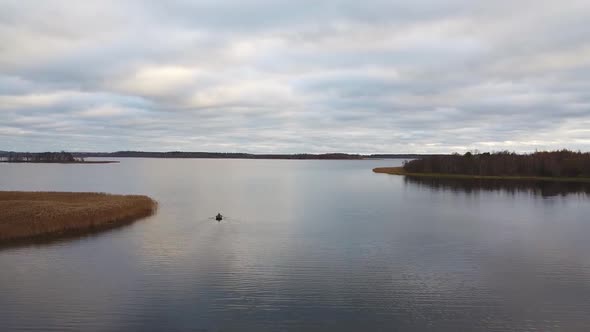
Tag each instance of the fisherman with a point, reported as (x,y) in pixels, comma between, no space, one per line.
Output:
(218,217)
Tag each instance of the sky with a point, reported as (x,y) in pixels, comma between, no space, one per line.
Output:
(262,76)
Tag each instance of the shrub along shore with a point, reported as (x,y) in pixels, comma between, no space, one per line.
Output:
(37,215)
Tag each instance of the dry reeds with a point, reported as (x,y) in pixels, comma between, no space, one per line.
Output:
(37,214)
(389,170)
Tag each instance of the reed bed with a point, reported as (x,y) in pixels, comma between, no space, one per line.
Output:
(25,215)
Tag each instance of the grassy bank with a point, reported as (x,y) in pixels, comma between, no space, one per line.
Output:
(32,215)
(400,171)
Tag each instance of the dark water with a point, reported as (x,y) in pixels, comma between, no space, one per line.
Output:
(542,188)
(309,245)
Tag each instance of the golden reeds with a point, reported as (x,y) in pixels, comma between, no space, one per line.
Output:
(390,170)
(37,214)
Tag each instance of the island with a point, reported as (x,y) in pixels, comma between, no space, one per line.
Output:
(563,165)
(48,157)
(47,215)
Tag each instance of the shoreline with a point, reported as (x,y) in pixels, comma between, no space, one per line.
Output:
(32,217)
(62,162)
(400,171)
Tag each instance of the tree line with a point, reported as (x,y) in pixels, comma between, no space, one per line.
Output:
(43,157)
(220,155)
(562,163)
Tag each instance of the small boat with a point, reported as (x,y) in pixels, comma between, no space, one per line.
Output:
(219,217)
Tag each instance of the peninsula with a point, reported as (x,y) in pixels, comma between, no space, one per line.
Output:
(35,215)
(561,165)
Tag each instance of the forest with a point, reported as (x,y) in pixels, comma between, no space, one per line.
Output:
(562,163)
(43,157)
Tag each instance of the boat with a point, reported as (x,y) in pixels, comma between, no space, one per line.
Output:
(219,217)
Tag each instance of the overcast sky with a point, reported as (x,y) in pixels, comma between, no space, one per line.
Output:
(278,76)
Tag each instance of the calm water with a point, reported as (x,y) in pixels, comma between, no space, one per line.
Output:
(309,245)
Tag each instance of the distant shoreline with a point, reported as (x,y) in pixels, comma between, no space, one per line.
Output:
(400,171)
(239,155)
(29,217)
(216,155)
(62,162)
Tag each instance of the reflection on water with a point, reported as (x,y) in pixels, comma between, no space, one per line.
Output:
(308,246)
(470,186)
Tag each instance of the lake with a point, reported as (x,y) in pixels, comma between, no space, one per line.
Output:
(306,246)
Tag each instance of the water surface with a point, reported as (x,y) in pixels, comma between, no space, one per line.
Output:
(308,245)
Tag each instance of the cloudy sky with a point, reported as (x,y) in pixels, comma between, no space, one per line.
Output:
(285,76)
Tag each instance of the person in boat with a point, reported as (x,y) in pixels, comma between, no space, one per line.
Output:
(218,217)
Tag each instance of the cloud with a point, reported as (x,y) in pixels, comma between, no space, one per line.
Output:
(305,76)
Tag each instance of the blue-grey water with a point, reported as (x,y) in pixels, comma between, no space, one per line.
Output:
(307,246)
